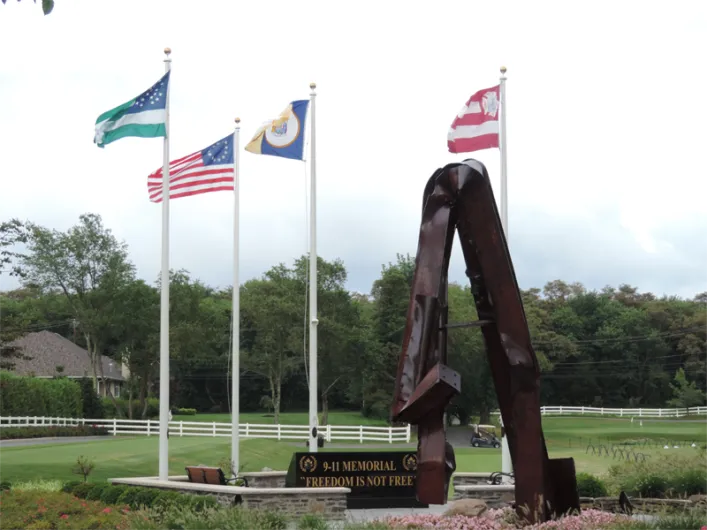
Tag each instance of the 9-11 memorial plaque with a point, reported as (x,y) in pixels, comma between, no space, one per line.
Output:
(376,480)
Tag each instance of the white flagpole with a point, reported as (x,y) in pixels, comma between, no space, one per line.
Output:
(313,420)
(235,311)
(506,462)
(164,301)
(504,161)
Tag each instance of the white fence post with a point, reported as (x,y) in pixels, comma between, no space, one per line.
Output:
(148,426)
(279,434)
(407,439)
(247,430)
(621,412)
(181,428)
(390,434)
(115,427)
(360,433)
(214,429)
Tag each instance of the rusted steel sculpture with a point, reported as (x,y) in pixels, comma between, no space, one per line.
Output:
(459,197)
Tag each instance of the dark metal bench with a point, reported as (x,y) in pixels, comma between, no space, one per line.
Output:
(213,476)
(496,478)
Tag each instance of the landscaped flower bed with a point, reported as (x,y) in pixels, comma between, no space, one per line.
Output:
(14,433)
(506,519)
(49,510)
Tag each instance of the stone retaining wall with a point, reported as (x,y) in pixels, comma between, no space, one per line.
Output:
(470,479)
(265,479)
(330,503)
(504,495)
(611,504)
(495,496)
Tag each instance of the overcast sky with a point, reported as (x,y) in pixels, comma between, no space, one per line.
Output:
(606,128)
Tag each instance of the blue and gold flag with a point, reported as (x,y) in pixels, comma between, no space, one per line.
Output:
(283,136)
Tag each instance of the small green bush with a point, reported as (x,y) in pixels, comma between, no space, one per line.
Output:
(311,522)
(200,503)
(651,485)
(82,489)
(5,486)
(129,496)
(112,493)
(590,486)
(69,487)
(688,482)
(94,494)
(236,518)
(146,497)
(662,476)
(186,412)
(167,498)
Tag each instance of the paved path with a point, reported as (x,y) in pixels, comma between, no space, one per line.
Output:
(57,440)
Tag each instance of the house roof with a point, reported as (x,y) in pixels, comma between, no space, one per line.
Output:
(47,350)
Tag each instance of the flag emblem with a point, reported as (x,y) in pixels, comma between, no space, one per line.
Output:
(283,136)
(490,103)
(144,116)
(205,171)
(476,125)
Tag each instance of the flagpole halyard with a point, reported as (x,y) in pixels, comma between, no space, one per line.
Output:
(504,160)
(164,301)
(236,371)
(313,419)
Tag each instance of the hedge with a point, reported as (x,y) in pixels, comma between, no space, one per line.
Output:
(32,396)
(137,497)
(15,433)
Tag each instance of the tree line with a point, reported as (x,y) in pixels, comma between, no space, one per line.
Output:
(616,347)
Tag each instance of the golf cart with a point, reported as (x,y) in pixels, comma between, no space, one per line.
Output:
(484,436)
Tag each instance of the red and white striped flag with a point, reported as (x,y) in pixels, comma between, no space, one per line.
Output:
(205,171)
(476,125)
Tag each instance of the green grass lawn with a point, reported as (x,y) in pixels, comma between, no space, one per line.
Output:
(286,418)
(125,456)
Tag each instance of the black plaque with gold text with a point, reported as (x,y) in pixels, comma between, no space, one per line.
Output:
(376,480)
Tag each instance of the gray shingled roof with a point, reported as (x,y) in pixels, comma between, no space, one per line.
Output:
(49,350)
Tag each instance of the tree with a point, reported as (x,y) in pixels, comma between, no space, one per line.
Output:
(136,343)
(273,329)
(12,233)
(90,267)
(47,5)
(466,352)
(391,297)
(339,332)
(686,394)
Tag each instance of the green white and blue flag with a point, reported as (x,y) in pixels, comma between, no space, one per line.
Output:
(144,116)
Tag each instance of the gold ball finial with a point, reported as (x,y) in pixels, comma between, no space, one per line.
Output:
(238,120)
(312,85)
(167,51)
(503,69)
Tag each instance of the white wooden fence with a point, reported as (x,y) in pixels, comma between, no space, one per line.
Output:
(638,412)
(357,433)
